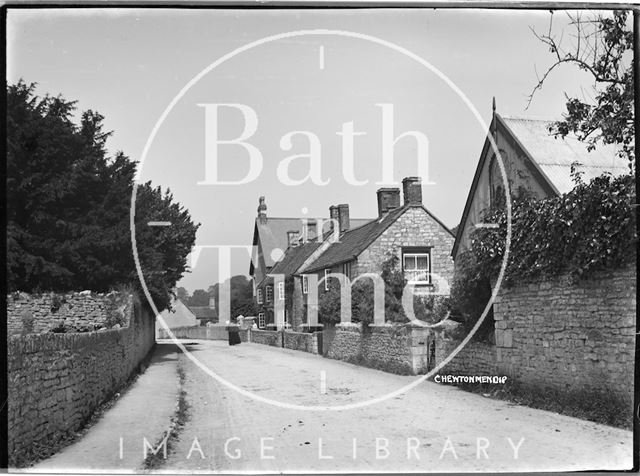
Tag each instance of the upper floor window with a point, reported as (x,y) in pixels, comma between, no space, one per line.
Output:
(326,279)
(259,296)
(280,291)
(269,293)
(305,285)
(416,265)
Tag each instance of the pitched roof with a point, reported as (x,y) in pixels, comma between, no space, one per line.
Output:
(295,257)
(203,312)
(552,158)
(273,234)
(555,156)
(355,241)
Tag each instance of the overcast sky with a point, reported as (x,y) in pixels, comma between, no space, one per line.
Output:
(129,64)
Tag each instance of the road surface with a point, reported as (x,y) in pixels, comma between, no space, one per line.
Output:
(431,428)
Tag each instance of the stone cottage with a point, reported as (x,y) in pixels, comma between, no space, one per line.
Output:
(274,238)
(408,230)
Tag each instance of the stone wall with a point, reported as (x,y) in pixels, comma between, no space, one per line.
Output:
(79,312)
(304,341)
(56,380)
(397,349)
(566,336)
(272,338)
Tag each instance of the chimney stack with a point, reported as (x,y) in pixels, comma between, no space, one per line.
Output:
(412,191)
(292,237)
(388,199)
(262,211)
(343,217)
(334,214)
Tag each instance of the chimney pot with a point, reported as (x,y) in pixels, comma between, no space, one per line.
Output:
(388,199)
(262,211)
(412,190)
(292,237)
(343,217)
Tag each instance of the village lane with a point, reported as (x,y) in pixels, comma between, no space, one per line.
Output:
(430,428)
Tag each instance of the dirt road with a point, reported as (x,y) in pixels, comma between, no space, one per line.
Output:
(430,428)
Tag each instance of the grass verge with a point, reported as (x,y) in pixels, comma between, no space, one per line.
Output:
(156,458)
(597,406)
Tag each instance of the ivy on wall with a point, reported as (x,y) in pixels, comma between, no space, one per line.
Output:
(591,228)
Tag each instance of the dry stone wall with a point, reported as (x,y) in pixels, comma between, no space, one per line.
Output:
(397,349)
(73,312)
(559,334)
(56,380)
(304,341)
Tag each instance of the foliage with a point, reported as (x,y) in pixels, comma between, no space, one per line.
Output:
(604,49)
(426,308)
(241,297)
(68,206)
(589,229)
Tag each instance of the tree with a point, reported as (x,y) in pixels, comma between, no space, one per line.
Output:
(603,47)
(199,298)
(68,206)
(241,296)
(182,294)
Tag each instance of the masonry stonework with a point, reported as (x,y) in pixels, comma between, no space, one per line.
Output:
(81,312)
(568,336)
(414,228)
(57,380)
(397,349)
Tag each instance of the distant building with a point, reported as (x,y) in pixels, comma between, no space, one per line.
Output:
(206,314)
(179,316)
(534,161)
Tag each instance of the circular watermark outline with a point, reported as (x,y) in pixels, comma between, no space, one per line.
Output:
(270,39)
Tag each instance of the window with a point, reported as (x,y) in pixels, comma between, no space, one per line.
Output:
(260,301)
(280,291)
(416,265)
(326,279)
(269,293)
(261,322)
(305,285)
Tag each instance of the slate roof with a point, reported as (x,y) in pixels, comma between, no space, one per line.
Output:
(273,234)
(555,156)
(203,312)
(355,241)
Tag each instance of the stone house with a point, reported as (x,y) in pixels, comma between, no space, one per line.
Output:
(273,238)
(408,230)
(535,162)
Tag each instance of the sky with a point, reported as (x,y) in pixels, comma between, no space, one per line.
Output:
(132,64)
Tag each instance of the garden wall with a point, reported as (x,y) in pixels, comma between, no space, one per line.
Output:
(57,380)
(212,332)
(304,341)
(81,312)
(561,335)
(272,338)
(397,349)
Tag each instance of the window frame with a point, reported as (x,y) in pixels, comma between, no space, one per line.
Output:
(269,294)
(259,296)
(281,291)
(415,253)
(327,271)
(261,320)
(305,284)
